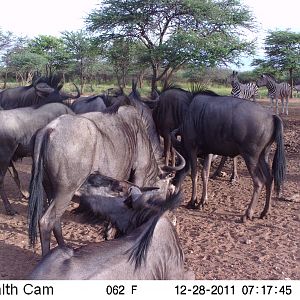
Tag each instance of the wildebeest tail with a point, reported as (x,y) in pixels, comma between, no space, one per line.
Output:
(36,199)
(279,161)
(139,250)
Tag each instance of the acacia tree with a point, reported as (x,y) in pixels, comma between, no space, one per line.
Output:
(82,50)
(25,64)
(282,50)
(176,32)
(53,50)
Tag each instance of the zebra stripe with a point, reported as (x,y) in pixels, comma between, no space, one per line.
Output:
(240,90)
(276,91)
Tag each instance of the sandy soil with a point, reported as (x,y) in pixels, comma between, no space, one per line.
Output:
(215,243)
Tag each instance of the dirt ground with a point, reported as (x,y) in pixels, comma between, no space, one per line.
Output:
(215,243)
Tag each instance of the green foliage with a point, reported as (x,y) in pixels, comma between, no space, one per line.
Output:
(282,51)
(173,32)
(53,50)
(83,52)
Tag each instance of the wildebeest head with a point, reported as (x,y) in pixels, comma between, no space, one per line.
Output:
(50,87)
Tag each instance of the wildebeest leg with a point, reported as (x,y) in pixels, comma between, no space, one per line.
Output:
(194,175)
(217,173)
(49,221)
(234,174)
(254,168)
(8,208)
(14,174)
(268,182)
(58,233)
(205,176)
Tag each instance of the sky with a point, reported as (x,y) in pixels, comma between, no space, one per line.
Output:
(35,17)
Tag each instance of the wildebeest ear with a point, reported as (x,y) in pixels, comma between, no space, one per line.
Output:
(128,201)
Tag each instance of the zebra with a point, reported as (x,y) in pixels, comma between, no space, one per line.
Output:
(240,90)
(275,91)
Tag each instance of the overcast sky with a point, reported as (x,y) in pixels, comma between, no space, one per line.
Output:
(34,17)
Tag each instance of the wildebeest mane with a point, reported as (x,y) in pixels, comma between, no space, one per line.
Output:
(206,92)
(90,99)
(169,85)
(152,214)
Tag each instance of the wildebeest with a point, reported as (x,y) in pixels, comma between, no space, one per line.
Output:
(230,126)
(100,102)
(88,104)
(43,90)
(169,114)
(151,251)
(18,128)
(116,145)
(275,91)
(104,196)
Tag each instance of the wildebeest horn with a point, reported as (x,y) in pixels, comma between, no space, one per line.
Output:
(63,94)
(176,168)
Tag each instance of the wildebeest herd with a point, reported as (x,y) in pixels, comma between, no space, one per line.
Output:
(105,152)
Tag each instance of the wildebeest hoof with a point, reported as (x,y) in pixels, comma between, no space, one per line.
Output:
(78,210)
(234,179)
(200,205)
(244,219)
(191,205)
(11,212)
(263,215)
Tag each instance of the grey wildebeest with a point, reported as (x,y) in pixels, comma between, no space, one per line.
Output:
(18,128)
(88,104)
(275,91)
(116,145)
(151,251)
(169,114)
(104,196)
(42,91)
(230,126)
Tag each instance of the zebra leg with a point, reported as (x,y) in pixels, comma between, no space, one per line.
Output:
(271,102)
(282,104)
(287,106)
(276,106)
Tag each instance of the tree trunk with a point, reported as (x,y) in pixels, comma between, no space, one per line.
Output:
(291,82)
(154,78)
(81,77)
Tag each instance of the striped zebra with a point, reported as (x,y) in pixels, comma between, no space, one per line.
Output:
(240,90)
(275,91)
